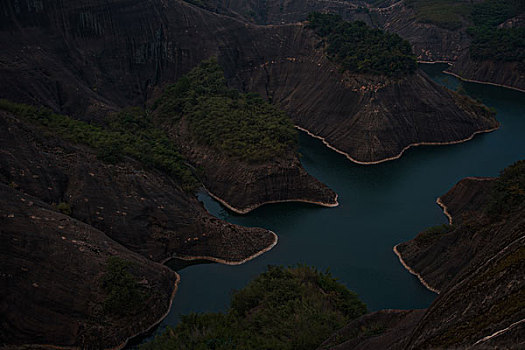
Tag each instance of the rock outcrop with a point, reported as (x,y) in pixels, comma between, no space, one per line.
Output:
(146,211)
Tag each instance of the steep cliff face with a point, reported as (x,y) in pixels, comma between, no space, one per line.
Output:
(141,45)
(52,279)
(144,210)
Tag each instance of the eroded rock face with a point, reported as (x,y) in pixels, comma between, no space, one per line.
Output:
(52,270)
(144,210)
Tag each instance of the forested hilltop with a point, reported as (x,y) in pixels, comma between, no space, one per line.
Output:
(283,308)
(361,49)
(241,125)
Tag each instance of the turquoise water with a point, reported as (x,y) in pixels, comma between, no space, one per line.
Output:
(380,206)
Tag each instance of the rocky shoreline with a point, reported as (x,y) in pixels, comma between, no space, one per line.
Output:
(402,152)
(243,211)
(409,269)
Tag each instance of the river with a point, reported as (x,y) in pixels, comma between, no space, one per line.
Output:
(380,206)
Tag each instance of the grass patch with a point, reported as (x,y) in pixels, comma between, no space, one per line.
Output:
(447,14)
(283,308)
(361,49)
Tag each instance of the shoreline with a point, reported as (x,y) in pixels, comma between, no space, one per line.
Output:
(255,206)
(443,205)
(228,262)
(445,143)
(483,82)
(409,269)
(445,210)
(451,63)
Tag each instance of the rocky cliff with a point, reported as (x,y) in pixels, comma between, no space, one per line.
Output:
(478,266)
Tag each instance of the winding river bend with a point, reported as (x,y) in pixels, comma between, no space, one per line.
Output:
(380,206)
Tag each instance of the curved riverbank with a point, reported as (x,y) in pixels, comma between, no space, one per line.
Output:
(229,262)
(451,63)
(482,82)
(409,269)
(349,157)
(255,206)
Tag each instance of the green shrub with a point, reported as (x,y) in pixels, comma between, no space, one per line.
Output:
(123,292)
(359,48)
(508,193)
(64,208)
(283,308)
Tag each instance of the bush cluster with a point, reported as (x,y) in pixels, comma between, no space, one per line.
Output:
(283,308)
(508,193)
(123,291)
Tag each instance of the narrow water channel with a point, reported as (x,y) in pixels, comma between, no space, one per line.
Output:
(380,206)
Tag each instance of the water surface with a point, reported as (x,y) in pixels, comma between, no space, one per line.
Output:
(380,206)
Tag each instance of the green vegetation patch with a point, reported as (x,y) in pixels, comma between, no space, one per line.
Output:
(283,308)
(492,43)
(124,295)
(433,233)
(508,193)
(128,133)
(240,125)
(361,49)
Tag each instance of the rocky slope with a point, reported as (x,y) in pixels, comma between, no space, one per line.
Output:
(478,265)
(52,270)
(431,43)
